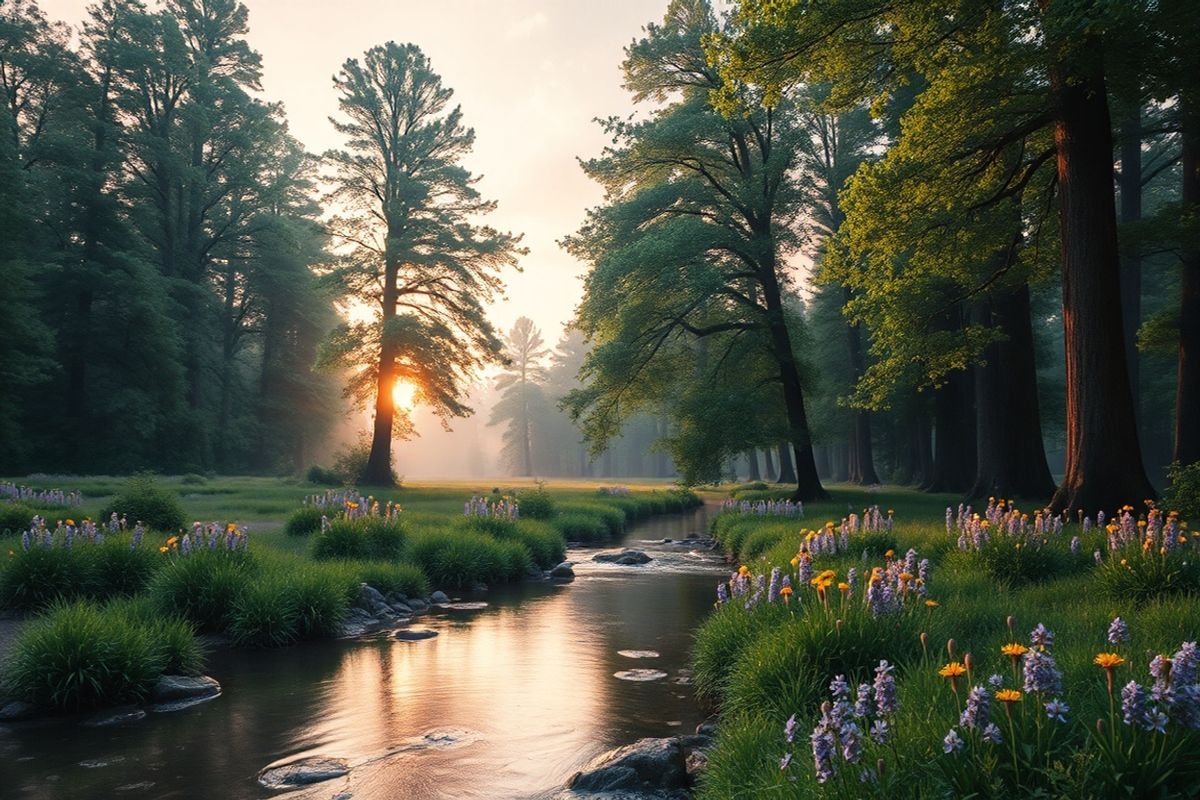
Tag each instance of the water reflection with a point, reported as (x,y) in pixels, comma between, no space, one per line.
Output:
(521,693)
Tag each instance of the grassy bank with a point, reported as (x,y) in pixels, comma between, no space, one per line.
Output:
(280,566)
(1058,730)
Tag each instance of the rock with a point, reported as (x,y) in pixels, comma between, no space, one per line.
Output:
(115,716)
(563,571)
(402,608)
(184,687)
(304,772)
(479,587)
(533,573)
(646,765)
(696,762)
(418,605)
(18,710)
(693,535)
(667,541)
(707,729)
(370,599)
(625,557)
(439,597)
(409,635)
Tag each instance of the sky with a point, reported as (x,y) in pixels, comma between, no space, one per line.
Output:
(531,77)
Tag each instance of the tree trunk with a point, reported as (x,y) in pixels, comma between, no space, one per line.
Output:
(1104,462)
(1131,259)
(1011,454)
(808,484)
(862,456)
(922,444)
(954,436)
(752,460)
(787,472)
(378,471)
(1187,392)
(769,474)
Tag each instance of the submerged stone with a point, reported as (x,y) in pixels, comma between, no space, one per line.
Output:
(638,653)
(184,687)
(439,597)
(303,772)
(646,765)
(640,675)
(17,710)
(563,571)
(625,557)
(415,635)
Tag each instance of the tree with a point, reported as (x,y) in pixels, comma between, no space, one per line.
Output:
(522,404)
(1048,84)
(691,243)
(415,255)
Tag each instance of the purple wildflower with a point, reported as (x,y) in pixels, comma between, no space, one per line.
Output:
(1041,673)
(953,743)
(773,588)
(1041,637)
(1133,703)
(879,731)
(786,761)
(1160,669)
(885,690)
(838,687)
(862,706)
(975,715)
(789,729)
(1057,710)
(992,735)
(823,749)
(722,593)
(851,737)
(996,681)
(1118,631)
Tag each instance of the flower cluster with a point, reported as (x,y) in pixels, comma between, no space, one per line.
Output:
(764,508)
(350,504)
(67,534)
(1003,519)
(846,729)
(213,537)
(504,508)
(1156,532)
(45,497)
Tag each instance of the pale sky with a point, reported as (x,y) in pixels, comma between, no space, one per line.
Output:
(530,75)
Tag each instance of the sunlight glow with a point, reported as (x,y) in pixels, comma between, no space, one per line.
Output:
(404,395)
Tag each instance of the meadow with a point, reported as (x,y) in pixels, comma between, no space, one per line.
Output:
(113,579)
(929,652)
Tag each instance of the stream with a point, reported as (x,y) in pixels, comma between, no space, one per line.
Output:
(508,701)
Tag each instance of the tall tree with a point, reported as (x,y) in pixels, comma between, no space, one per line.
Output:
(417,257)
(523,403)
(693,239)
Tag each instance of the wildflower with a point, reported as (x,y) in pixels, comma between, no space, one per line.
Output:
(785,592)
(879,731)
(992,735)
(995,681)
(862,705)
(823,749)
(885,690)
(1133,703)
(952,670)
(773,589)
(1007,696)
(953,743)
(1109,660)
(1156,721)
(1118,631)
(1057,710)
(1160,669)
(975,715)
(722,593)
(851,738)
(789,729)
(932,604)
(1041,637)
(785,761)
(838,687)
(1041,673)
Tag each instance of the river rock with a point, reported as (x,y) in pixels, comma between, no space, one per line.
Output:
(401,608)
(647,765)
(184,687)
(17,710)
(563,571)
(439,597)
(707,729)
(625,557)
(418,605)
(415,635)
(370,599)
(304,772)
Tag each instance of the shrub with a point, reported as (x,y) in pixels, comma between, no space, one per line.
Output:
(80,656)
(142,498)
(323,477)
(265,613)
(1183,495)
(202,587)
(536,505)
(40,575)
(15,518)
(304,521)
(320,599)
(452,559)
(583,528)
(362,538)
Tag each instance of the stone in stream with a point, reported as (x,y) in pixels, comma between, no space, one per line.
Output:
(625,558)
(639,675)
(439,597)
(415,635)
(647,765)
(370,599)
(638,653)
(184,687)
(303,772)
(563,571)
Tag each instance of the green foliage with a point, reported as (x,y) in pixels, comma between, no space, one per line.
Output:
(454,559)
(1138,576)
(1183,495)
(174,637)
(193,479)
(304,521)
(323,477)
(79,656)
(266,613)
(31,579)
(14,518)
(523,403)
(115,569)
(361,538)
(144,499)
(613,518)
(388,577)
(202,587)
(728,632)
(536,505)
(584,528)
(1010,563)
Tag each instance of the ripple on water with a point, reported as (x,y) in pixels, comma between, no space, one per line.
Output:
(640,675)
(478,606)
(638,653)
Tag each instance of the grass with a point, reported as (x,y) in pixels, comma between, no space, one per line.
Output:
(762,666)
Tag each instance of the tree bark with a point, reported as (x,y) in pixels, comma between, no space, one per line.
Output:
(769,474)
(1104,462)
(752,460)
(862,455)
(378,471)
(1131,259)
(1011,454)
(1187,392)
(787,472)
(954,436)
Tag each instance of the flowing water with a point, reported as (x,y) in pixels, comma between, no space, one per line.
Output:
(508,701)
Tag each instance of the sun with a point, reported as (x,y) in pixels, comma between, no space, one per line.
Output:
(404,394)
